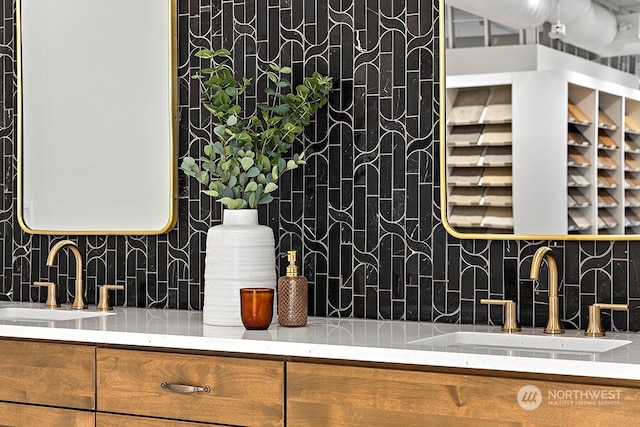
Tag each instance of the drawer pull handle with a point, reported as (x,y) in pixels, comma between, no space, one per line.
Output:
(179,388)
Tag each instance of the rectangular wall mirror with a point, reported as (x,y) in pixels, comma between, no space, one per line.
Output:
(540,126)
(97,106)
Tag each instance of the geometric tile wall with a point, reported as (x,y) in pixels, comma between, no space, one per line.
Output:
(363,213)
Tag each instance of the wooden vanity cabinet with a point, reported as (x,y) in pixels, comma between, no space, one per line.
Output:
(18,415)
(337,395)
(51,374)
(242,391)
(59,377)
(53,384)
(115,420)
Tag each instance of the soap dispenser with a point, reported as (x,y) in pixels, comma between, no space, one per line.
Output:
(292,295)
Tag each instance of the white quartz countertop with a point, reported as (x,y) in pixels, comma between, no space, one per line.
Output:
(341,339)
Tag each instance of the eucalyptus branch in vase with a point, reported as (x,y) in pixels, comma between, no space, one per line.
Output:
(241,168)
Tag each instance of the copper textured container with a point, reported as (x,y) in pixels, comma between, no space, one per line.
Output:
(292,301)
(292,296)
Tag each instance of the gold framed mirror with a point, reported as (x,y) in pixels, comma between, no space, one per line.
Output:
(537,143)
(97,110)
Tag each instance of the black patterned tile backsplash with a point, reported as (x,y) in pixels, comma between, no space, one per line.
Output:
(364,212)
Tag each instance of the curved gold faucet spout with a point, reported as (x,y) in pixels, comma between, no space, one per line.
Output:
(554,326)
(78,302)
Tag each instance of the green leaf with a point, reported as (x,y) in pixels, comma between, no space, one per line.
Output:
(302,91)
(222,52)
(232,120)
(218,148)
(204,54)
(272,76)
(270,187)
(251,187)
(286,70)
(233,203)
(263,162)
(281,109)
(246,163)
(226,192)
(209,166)
(188,163)
(244,137)
(220,130)
(268,134)
(253,172)
(209,108)
(217,186)
(291,164)
(267,198)
(252,200)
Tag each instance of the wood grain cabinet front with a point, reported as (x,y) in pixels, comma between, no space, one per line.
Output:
(319,394)
(115,420)
(224,390)
(17,415)
(50,374)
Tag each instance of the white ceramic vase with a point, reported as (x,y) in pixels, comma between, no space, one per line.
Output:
(240,254)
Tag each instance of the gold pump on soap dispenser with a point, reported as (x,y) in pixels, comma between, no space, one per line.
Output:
(292,295)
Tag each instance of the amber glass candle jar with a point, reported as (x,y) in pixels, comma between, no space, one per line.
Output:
(256,307)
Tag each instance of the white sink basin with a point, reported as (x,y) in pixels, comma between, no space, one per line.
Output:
(24,314)
(505,341)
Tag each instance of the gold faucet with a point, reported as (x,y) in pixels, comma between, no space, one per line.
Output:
(510,321)
(78,302)
(594,328)
(553,322)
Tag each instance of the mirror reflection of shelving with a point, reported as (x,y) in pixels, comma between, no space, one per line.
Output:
(632,167)
(596,167)
(479,160)
(580,148)
(610,175)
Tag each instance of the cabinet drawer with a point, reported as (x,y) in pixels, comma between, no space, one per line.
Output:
(361,396)
(16,415)
(242,391)
(113,420)
(48,374)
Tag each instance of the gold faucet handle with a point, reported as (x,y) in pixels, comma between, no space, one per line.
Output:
(594,327)
(103,304)
(510,319)
(52,294)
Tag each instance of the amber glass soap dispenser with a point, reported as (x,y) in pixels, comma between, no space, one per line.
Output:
(292,295)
